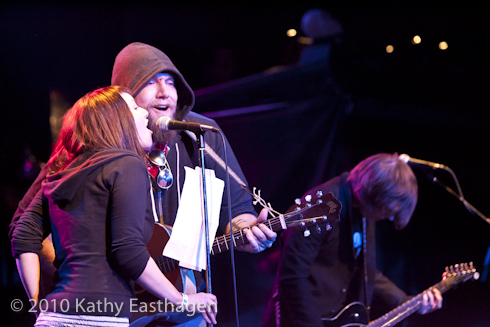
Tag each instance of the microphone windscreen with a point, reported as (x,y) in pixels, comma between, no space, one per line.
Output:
(404,157)
(162,123)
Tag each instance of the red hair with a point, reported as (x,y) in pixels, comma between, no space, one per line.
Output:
(99,120)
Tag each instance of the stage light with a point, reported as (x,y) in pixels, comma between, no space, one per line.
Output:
(443,45)
(416,39)
(291,32)
(389,48)
(305,40)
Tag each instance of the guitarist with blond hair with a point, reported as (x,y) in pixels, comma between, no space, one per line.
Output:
(319,275)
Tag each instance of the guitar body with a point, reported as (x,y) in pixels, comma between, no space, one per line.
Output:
(354,314)
(158,241)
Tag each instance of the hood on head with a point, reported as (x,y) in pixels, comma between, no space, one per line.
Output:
(138,62)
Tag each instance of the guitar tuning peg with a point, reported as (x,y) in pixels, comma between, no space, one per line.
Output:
(306,233)
(328,227)
(319,194)
(297,201)
(318,229)
(308,198)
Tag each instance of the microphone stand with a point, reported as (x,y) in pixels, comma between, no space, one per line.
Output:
(201,146)
(467,205)
(471,209)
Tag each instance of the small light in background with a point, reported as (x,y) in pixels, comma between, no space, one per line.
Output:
(443,45)
(291,32)
(305,40)
(390,48)
(416,39)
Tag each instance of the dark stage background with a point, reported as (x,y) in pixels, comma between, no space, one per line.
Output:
(291,126)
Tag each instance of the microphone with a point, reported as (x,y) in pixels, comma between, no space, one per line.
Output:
(406,159)
(167,124)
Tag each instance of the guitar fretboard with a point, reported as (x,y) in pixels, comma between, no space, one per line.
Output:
(406,309)
(222,243)
(327,204)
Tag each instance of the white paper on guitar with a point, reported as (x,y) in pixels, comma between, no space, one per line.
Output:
(187,242)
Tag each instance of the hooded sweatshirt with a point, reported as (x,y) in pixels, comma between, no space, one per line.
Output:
(98,210)
(134,66)
(138,62)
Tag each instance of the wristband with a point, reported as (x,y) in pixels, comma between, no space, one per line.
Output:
(185,299)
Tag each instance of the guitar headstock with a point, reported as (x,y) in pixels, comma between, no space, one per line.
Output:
(462,271)
(322,210)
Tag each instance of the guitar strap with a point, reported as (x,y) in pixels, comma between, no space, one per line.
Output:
(188,281)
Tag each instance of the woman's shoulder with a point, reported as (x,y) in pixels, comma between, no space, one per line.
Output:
(118,160)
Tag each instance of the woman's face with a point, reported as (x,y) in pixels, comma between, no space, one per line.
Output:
(141,122)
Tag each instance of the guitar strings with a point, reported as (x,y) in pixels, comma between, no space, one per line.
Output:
(170,264)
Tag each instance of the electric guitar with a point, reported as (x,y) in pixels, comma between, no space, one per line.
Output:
(321,211)
(356,315)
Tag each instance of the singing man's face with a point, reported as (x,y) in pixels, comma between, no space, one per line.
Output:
(159,96)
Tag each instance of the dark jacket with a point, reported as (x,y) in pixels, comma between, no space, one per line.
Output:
(320,274)
(99,213)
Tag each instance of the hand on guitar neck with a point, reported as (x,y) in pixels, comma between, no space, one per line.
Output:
(431,301)
(259,236)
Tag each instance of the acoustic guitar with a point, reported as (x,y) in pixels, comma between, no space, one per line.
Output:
(313,213)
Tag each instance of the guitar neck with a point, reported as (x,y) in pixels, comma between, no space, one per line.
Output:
(406,309)
(222,243)
(325,208)
(401,312)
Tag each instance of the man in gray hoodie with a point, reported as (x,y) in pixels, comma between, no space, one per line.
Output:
(160,88)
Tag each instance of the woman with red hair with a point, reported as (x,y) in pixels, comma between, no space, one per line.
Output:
(97,204)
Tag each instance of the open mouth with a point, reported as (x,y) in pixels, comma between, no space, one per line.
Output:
(161,108)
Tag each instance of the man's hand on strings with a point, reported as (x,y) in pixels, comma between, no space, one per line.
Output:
(431,301)
(259,237)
